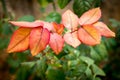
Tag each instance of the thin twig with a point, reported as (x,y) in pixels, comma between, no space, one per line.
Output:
(4,8)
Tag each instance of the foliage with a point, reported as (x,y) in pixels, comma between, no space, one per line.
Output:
(62,4)
(53,17)
(80,6)
(36,36)
(112,67)
(78,60)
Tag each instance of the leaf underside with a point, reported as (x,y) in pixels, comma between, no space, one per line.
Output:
(56,42)
(20,40)
(27,24)
(104,30)
(39,38)
(89,35)
(90,16)
(72,39)
(70,20)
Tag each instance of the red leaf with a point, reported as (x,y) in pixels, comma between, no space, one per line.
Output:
(27,24)
(56,43)
(72,39)
(104,30)
(58,28)
(39,38)
(89,35)
(20,40)
(90,16)
(70,20)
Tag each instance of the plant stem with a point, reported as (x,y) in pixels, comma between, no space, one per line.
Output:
(54,7)
(4,8)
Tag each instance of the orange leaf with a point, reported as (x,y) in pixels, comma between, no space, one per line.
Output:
(90,16)
(56,42)
(104,30)
(89,35)
(58,28)
(20,40)
(27,24)
(39,38)
(72,39)
(70,20)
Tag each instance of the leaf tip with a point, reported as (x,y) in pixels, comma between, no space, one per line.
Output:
(33,53)
(8,50)
(113,34)
(90,16)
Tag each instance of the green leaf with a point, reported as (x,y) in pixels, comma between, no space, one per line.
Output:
(114,23)
(87,60)
(53,17)
(4,43)
(76,70)
(84,50)
(70,56)
(27,18)
(95,55)
(63,3)
(6,29)
(101,50)
(110,43)
(97,78)
(73,63)
(41,67)
(88,72)
(13,63)
(28,64)
(55,74)
(23,73)
(97,71)
(81,6)
(80,69)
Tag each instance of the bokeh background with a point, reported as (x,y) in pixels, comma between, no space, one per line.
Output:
(35,9)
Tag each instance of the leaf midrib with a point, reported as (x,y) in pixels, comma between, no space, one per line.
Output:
(19,42)
(90,17)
